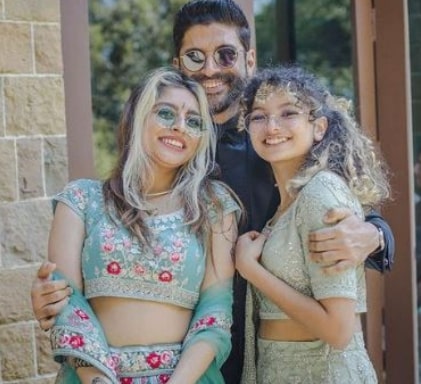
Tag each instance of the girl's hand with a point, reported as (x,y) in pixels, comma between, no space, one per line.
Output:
(247,253)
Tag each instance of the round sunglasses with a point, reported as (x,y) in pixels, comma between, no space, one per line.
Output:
(195,59)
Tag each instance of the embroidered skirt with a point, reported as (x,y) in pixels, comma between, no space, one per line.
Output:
(135,364)
(313,362)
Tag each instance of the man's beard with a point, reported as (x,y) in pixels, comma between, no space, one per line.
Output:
(236,86)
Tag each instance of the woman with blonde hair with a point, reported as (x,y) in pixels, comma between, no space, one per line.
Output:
(148,251)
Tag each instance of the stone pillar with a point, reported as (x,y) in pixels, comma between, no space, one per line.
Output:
(33,167)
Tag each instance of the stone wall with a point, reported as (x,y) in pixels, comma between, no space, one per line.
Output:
(33,167)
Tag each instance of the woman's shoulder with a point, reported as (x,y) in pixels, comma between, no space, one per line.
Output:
(80,194)
(327,190)
(221,198)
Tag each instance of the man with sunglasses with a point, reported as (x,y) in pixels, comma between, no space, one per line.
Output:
(212,45)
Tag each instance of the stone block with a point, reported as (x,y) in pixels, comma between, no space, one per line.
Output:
(48,57)
(2,125)
(55,164)
(29,168)
(17,352)
(15,298)
(8,175)
(24,228)
(34,106)
(32,10)
(44,358)
(15,48)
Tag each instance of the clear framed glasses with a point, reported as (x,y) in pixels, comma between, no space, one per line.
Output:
(259,120)
(195,59)
(167,117)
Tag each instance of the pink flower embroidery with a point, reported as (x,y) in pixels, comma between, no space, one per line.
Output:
(165,276)
(153,360)
(166,357)
(157,250)
(64,340)
(175,257)
(114,268)
(126,380)
(139,270)
(178,243)
(210,321)
(82,315)
(108,247)
(76,341)
(127,243)
(164,378)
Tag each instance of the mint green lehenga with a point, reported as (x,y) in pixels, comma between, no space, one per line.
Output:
(171,270)
(285,254)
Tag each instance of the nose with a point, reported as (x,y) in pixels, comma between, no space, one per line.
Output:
(179,124)
(273,123)
(210,67)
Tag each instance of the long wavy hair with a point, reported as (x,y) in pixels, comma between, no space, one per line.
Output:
(345,149)
(125,189)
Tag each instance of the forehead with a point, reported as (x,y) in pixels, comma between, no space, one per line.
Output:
(209,37)
(181,98)
(273,96)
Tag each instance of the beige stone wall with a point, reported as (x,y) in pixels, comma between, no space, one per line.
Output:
(33,166)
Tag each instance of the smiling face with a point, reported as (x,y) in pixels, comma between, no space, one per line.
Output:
(223,85)
(280,129)
(170,139)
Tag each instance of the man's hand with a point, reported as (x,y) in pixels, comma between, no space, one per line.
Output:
(48,296)
(345,244)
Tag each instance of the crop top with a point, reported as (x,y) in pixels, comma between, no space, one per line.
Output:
(115,263)
(285,253)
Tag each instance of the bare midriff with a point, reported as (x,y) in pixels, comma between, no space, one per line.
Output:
(139,322)
(290,330)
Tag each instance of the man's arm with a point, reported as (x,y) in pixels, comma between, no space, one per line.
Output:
(48,296)
(351,241)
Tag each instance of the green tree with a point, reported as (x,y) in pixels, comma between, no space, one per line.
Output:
(128,38)
(323,39)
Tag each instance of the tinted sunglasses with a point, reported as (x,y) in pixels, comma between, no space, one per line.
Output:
(225,57)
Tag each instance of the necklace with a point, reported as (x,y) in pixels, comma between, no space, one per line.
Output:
(156,194)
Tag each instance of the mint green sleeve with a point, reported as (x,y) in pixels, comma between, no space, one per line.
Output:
(323,192)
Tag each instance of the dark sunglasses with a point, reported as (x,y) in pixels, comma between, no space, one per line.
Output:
(194,60)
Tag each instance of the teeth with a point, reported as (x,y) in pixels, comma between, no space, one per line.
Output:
(212,83)
(173,142)
(276,140)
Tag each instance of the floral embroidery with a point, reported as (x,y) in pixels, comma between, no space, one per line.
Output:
(165,276)
(171,269)
(126,380)
(164,378)
(82,314)
(114,268)
(154,360)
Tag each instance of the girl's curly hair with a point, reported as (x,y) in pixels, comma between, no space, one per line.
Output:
(345,149)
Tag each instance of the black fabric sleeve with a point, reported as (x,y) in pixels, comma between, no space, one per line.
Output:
(381,260)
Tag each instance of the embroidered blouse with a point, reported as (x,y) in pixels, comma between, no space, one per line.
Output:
(285,253)
(115,263)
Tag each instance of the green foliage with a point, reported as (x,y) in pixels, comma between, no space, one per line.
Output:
(323,39)
(128,38)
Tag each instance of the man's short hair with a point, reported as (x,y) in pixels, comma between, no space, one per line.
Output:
(205,12)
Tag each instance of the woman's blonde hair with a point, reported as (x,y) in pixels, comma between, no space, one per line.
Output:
(133,174)
(345,149)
